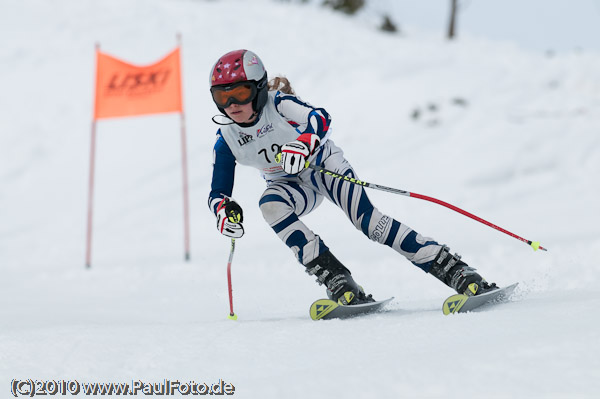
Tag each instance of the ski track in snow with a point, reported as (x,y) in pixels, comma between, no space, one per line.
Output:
(521,151)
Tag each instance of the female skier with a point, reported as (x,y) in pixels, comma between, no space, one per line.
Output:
(276,132)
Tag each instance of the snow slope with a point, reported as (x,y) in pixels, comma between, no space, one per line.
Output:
(507,134)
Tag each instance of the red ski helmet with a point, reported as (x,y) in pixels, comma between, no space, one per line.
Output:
(239,77)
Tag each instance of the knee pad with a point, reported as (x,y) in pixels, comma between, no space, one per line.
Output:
(274,210)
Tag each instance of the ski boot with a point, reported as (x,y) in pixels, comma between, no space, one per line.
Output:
(341,287)
(456,274)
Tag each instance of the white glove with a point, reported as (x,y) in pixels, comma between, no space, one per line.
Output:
(295,153)
(230,218)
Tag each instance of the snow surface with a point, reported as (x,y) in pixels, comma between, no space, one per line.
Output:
(505,133)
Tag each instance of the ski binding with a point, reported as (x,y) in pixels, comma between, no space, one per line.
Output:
(461,303)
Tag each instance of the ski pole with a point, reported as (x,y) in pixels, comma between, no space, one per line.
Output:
(534,244)
(232,315)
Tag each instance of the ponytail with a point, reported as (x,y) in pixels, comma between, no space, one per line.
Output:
(282,84)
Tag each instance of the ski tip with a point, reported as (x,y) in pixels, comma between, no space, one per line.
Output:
(232,316)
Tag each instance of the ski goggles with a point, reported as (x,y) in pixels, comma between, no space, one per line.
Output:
(239,93)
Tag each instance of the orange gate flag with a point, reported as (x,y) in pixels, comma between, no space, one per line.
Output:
(124,89)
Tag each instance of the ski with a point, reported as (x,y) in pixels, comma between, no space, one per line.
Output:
(461,303)
(326,309)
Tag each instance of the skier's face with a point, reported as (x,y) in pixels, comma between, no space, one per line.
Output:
(241,113)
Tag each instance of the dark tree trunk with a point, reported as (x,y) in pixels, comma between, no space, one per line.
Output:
(452,24)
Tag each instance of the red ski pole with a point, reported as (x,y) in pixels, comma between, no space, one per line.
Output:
(232,315)
(534,244)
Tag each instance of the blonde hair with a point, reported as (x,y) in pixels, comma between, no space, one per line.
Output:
(282,84)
